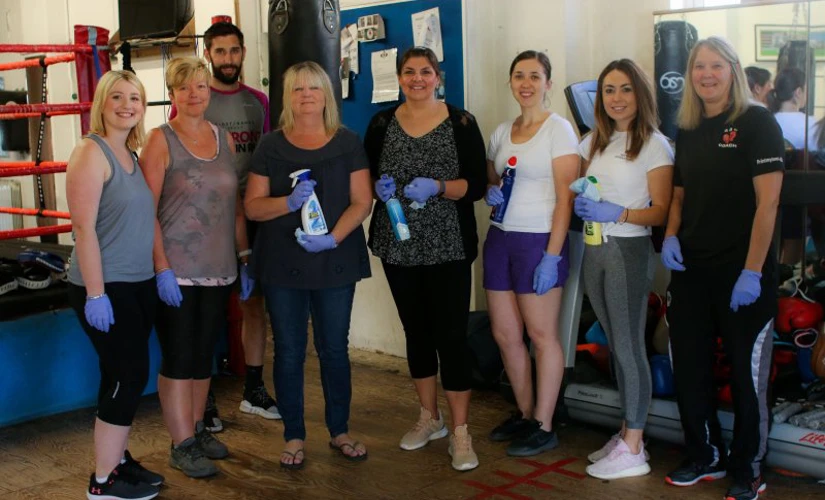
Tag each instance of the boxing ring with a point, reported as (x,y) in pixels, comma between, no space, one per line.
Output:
(45,356)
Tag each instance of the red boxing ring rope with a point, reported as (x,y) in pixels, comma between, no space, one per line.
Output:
(26,49)
(18,116)
(30,63)
(35,231)
(33,211)
(45,108)
(29,164)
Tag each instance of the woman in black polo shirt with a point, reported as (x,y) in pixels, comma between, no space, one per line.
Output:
(727,178)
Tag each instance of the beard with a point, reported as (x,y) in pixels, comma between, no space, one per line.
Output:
(217,72)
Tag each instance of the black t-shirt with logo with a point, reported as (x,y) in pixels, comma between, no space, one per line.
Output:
(715,164)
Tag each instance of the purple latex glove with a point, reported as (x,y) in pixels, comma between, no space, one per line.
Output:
(421,189)
(385,188)
(672,254)
(494,196)
(168,289)
(99,313)
(546,274)
(746,290)
(300,194)
(316,243)
(247,282)
(597,211)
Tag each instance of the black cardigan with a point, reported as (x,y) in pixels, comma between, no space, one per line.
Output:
(472,160)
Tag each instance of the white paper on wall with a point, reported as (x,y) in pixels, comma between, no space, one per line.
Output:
(427,31)
(349,46)
(384,80)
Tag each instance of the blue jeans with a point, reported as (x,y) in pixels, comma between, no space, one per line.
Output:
(289,310)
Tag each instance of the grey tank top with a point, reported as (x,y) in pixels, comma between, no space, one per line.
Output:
(125,225)
(196,210)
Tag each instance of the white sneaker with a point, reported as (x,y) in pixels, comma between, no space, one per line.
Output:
(619,463)
(608,447)
(461,450)
(424,431)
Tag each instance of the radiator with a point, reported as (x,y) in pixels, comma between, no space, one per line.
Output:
(10,196)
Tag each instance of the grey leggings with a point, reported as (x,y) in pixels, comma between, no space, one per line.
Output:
(617,279)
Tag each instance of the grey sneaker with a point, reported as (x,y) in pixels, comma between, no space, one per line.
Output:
(210,445)
(188,458)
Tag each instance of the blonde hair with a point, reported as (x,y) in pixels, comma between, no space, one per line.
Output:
(97,125)
(691,110)
(309,73)
(181,70)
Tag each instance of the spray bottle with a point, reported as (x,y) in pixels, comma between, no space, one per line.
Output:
(312,217)
(397,219)
(593,230)
(508,177)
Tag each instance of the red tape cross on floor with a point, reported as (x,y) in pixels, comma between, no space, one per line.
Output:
(503,490)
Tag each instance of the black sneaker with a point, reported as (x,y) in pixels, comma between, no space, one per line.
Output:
(189,458)
(210,414)
(746,490)
(534,441)
(132,468)
(209,444)
(690,473)
(515,426)
(258,402)
(120,487)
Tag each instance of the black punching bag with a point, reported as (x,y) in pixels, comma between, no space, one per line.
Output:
(797,54)
(302,30)
(672,43)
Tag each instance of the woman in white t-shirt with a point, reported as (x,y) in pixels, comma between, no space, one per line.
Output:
(525,255)
(633,163)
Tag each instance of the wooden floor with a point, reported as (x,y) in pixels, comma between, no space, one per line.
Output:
(51,458)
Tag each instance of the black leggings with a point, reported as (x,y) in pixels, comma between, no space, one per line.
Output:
(433,303)
(188,333)
(123,352)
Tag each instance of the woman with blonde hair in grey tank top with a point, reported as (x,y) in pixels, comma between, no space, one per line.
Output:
(189,166)
(111,282)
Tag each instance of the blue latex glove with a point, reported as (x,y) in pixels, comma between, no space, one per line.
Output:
(546,274)
(316,243)
(99,313)
(746,290)
(168,289)
(494,196)
(586,188)
(597,211)
(300,193)
(385,188)
(672,254)
(247,282)
(421,189)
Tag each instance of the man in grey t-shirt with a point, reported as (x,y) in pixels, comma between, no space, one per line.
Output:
(244,112)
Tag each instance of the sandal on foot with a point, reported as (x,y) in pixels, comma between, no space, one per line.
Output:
(293,465)
(353,446)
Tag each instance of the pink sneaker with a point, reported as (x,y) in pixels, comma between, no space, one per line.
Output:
(607,448)
(619,463)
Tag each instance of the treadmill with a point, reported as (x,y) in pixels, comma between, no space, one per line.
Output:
(597,402)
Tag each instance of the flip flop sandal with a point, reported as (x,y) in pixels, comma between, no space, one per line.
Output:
(353,446)
(293,465)
(34,277)
(48,260)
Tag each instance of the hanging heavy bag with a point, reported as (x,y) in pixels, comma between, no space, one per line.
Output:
(302,30)
(672,43)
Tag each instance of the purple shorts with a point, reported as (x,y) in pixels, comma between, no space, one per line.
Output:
(510,258)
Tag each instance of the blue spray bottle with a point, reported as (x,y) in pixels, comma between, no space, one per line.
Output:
(508,177)
(397,219)
(312,217)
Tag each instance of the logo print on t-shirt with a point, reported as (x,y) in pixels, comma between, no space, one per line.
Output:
(728,137)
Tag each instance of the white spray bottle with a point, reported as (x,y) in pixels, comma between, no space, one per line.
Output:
(312,217)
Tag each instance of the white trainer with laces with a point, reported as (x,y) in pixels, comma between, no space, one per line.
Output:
(424,431)
(461,450)
(620,463)
(607,448)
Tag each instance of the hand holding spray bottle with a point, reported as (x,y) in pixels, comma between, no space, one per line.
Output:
(508,178)
(312,217)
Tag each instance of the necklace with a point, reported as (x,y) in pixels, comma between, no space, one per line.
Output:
(189,137)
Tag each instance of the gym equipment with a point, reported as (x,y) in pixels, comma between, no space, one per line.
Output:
(672,43)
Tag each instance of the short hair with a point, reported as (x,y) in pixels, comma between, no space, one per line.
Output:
(221,29)
(185,69)
(541,57)
(424,52)
(691,109)
(757,76)
(641,127)
(784,86)
(309,73)
(97,125)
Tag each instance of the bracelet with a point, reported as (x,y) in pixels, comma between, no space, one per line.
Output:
(161,270)
(442,187)
(626,214)
(95,297)
(244,253)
